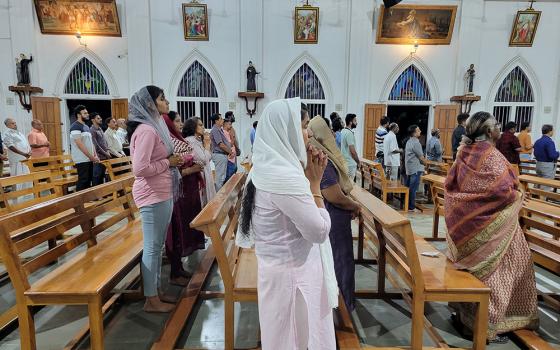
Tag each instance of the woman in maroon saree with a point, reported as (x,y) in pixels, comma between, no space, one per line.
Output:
(482,204)
(182,240)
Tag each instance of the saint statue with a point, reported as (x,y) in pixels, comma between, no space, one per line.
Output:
(469,77)
(251,77)
(22,69)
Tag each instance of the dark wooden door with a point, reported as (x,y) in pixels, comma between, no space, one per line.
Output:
(47,110)
(372,116)
(445,119)
(119,108)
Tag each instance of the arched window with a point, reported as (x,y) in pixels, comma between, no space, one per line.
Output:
(197,94)
(410,86)
(86,79)
(306,85)
(514,99)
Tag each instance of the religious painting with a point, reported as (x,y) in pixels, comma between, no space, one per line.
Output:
(424,24)
(89,17)
(306,25)
(195,21)
(524,28)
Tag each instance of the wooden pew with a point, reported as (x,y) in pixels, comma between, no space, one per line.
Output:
(427,278)
(238,266)
(41,188)
(366,167)
(118,168)
(385,187)
(86,278)
(540,223)
(436,184)
(62,167)
(533,186)
(437,168)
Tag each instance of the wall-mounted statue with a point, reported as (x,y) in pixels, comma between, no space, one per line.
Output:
(469,78)
(22,69)
(251,77)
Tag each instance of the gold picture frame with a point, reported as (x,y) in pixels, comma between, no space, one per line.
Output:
(195,22)
(524,28)
(424,24)
(306,25)
(89,17)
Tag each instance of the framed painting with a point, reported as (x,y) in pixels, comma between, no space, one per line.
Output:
(306,25)
(89,17)
(406,24)
(524,28)
(195,21)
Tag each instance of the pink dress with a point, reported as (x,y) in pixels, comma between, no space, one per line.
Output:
(293,306)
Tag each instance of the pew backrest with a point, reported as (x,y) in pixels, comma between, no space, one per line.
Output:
(21,191)
(211,220)
(380,222)
(536,186)
(61,166)
(75,214)
(118,167)
(437,168)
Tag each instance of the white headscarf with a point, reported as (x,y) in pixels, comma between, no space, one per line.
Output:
(279,149)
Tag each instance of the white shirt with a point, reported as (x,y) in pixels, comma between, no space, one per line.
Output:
(121,135)
(113,143)
(390,145)
(19,141)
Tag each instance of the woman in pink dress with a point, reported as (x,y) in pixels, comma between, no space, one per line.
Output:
(283,212)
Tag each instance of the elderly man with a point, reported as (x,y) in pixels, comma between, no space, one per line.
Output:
(113,142)
(18,150)
(121,131)
(38,140)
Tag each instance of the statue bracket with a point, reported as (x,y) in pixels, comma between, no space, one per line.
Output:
(466,101)
(24,92)
(251,95)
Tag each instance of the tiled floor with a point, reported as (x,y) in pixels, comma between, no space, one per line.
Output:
(379,323)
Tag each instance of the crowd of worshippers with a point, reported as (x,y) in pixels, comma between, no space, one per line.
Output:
(296,208)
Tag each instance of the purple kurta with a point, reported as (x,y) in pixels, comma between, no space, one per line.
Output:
(293,306)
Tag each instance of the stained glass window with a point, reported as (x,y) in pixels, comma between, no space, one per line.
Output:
(86,79)
(515,88)
(305,84)
(197,82)
(410,86)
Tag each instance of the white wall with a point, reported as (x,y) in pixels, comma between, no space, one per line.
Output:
(353,69)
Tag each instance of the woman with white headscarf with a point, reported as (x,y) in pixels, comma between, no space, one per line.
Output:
(157,183)
(283,212)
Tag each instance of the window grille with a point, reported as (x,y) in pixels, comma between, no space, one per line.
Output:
(515,100)
(410,86)
(306,85)
(197,95)
(86,79)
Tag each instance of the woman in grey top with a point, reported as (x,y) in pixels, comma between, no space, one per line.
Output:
(414,160)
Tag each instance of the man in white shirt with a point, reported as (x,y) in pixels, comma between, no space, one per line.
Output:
(113,142)
(121,131)
(18,150)
(348,145)
(392,152)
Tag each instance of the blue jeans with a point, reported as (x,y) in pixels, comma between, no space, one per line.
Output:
(412,183)
(155,220)
(98,174)
(231,170)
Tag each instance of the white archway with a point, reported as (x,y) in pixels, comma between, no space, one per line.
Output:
(71,62)
(306,58)
(422,67)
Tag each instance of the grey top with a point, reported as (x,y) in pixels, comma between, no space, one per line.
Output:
(433,150)
(98,138)
(412,156)
(216,137)
(79,130)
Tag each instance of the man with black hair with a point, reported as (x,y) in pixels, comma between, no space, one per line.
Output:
(546,153)
(380,134)
(221,149)
(101,148)
(459,132)
(82,149)
(413,161)
(348,145)
(337,126)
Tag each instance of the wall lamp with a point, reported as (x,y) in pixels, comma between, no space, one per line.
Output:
(81,40)
(414,47)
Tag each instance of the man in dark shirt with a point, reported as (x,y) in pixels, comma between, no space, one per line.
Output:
(101,148)
(546,154)
(221,149)
(458,133)
(508,144)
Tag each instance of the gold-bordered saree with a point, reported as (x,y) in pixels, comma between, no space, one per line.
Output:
(482,204)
